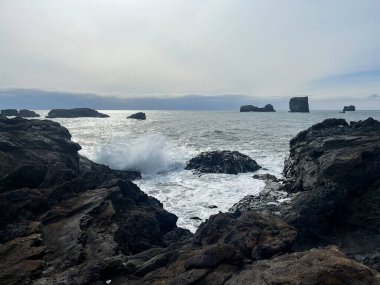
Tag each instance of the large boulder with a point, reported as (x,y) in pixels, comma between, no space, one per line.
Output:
(349,108)
(65,219)
(24,113)
(9,112)
(75,113)
(250,108)
(137,116)
(230,162)
(299,104)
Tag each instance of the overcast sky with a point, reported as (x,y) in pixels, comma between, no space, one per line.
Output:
(267,48)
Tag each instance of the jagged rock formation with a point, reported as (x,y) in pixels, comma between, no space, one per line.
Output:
(65,219)
(299,104)
(75,113)
(332,189)
(230,162)
(349,108)
(250,108)
(9,112)
(334,169)
(137,116)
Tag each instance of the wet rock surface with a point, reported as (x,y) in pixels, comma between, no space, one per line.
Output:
(331,191)
(75,113)
(230,162)
(299,104)
(138,116)
(65,219)
(334,171)
(250,108)
(71,221)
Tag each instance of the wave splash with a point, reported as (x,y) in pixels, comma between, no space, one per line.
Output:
(147,154)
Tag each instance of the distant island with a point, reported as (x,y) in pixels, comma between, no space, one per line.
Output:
(251,108)
(75,113)
(24,113)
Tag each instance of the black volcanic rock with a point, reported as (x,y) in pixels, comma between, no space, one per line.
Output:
(75,113)
(299,104)
(65,219)
(349,108)
(230,162)
(24,113)
(250,108)
(137,116)
(334,170)
(9,112)
(331,191)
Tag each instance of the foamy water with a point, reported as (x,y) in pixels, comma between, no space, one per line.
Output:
(160,146)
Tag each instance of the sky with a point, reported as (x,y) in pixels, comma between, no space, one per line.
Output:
(263,51)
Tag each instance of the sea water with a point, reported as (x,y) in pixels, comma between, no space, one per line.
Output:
(161,145)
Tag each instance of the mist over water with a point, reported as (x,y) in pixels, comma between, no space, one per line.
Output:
(160,147)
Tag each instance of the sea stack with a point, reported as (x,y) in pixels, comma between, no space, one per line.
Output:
(250,108)
(349,108)
(299,104)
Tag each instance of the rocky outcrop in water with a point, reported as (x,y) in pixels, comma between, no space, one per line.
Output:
(349,108)
(137,116)
(250,108)
(75,113)
(9,112)
(24,113)
(230,162)
(65,219)
(299,104)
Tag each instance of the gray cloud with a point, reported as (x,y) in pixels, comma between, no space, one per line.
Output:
(171,48)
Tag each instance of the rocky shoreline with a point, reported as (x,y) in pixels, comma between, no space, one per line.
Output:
(67,220)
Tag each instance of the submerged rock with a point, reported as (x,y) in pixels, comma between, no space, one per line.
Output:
(64,218)
(230,162)
(75,113)
(24,113)
(299,104)
(349,108)
(137,116)
(250,108)
(9,112)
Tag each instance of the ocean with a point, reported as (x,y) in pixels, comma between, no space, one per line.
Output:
(160,146)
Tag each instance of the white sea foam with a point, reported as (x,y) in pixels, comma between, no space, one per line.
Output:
(147,154)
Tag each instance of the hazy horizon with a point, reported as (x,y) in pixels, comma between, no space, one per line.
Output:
(154,52)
